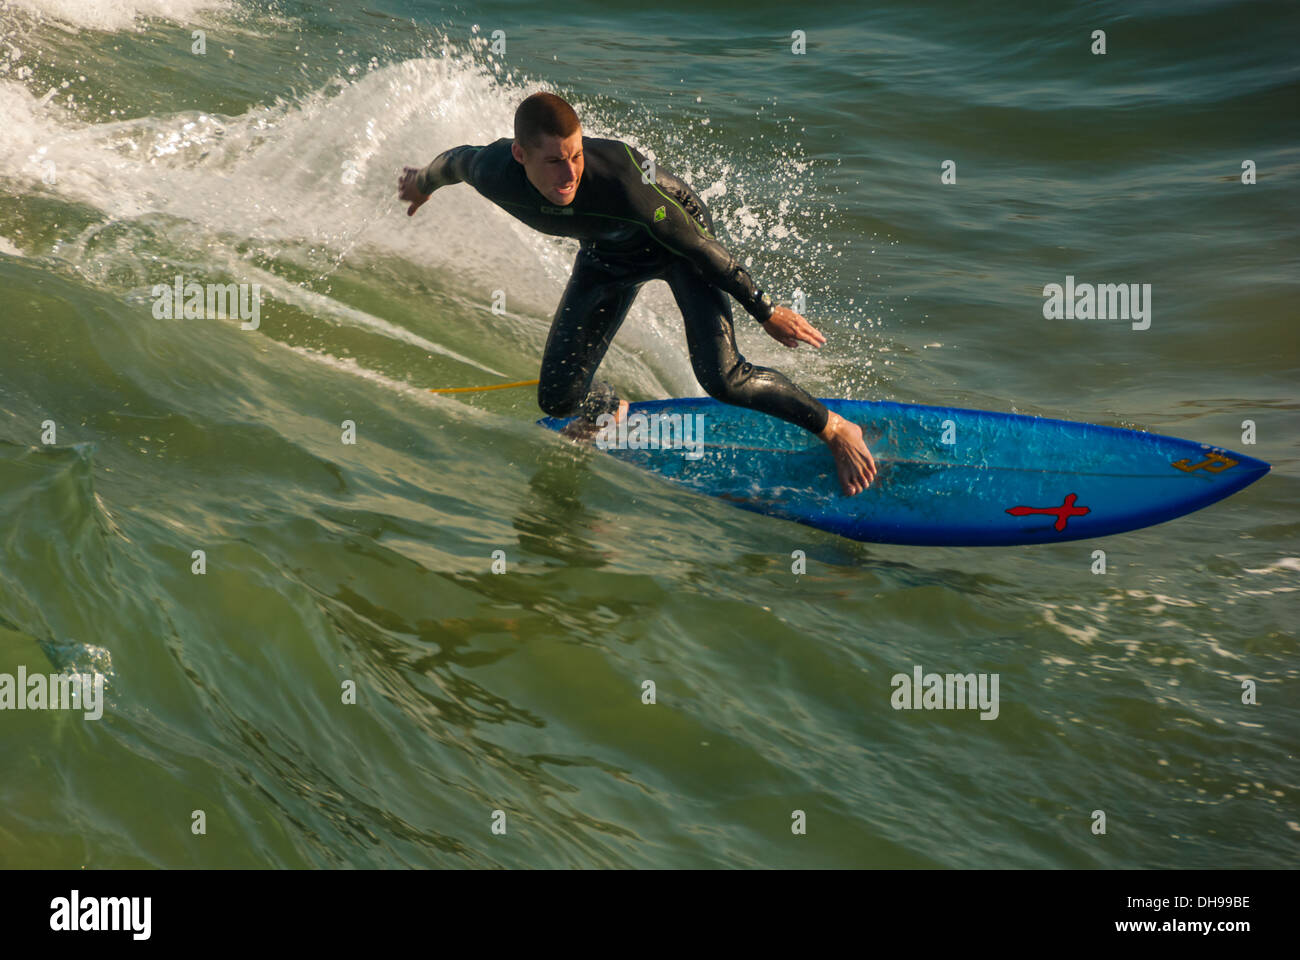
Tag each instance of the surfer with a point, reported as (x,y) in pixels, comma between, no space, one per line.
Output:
(633,228)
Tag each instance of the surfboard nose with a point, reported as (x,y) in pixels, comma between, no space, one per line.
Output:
(1221,464)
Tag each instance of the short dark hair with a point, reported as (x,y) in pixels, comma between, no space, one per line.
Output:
(544,113)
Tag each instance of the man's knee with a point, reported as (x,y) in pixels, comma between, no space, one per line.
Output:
(557,399)
(727,385)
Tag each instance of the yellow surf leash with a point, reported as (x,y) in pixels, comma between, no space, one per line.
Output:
(495,386)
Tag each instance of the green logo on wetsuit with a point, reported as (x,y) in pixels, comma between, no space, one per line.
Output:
(563,211)
(660,214)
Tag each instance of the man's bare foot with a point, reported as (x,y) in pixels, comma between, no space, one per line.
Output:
(583,429)
(856,465)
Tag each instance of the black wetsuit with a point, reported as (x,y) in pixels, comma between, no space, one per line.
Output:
(628,232)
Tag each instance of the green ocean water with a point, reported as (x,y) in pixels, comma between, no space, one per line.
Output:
(127,159)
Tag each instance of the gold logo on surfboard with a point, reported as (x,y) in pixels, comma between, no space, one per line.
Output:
(1213,463)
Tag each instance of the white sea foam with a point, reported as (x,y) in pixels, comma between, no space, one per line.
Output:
(1286,564)
(115,14)
(316,178)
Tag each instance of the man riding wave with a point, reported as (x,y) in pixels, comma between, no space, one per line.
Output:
(629,231)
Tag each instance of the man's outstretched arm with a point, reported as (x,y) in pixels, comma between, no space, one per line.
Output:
(451,166)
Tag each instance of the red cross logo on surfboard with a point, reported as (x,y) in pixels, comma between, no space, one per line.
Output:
(1062,513)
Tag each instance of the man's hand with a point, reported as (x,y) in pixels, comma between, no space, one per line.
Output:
(787,327)
(408,190)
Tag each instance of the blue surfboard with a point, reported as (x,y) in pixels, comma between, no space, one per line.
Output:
(945,476)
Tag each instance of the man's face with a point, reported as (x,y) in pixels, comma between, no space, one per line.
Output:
(554,167)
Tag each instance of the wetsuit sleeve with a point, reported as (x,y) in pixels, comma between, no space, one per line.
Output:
(671,225)
(451,166)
